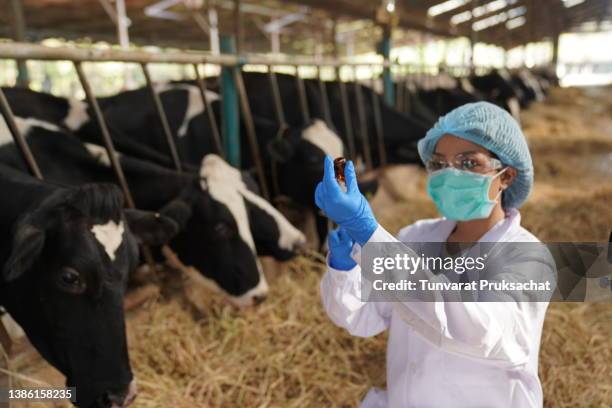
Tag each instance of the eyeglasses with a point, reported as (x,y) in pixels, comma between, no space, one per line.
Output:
(476,162)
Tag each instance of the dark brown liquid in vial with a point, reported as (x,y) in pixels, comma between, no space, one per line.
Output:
(339,164)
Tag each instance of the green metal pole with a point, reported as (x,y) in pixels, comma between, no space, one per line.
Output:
(19,34)
(385,50)
(231,112)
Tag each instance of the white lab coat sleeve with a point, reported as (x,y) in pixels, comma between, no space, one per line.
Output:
(493,332)
(341,298)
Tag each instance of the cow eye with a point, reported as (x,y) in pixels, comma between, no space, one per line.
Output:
(223,230)
(70,280)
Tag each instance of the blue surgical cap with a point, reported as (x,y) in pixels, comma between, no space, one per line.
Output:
(494,129)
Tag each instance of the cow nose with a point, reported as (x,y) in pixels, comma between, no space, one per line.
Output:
(259,299)
(300,244)
(119,399)
(300,247)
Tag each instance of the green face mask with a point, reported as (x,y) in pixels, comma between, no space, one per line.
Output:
(461,195)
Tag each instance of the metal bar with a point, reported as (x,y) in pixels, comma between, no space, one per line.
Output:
(407,95)
(21,50)
(214,126)
(276,98)
(399,94)
(24,149)
(380,136)
(363,126)
(250,132)
(386,52)
(215,47)
(106,137)
(299,84)
(110,11)
(122,25)
(324,100)
(230,119)
(555,50)
(275,42)
(238,25)
(473,37)
(346,117)
(161,113)
(281,122)
(19,34)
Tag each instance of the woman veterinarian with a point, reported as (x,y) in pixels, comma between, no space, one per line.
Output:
(445,354)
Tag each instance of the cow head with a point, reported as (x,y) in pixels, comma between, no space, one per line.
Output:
(64,283)
(224,227)
(298,157)
(272,234)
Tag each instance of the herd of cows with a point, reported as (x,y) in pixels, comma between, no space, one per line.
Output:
(69,245)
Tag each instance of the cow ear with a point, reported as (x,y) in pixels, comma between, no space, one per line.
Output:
(281,150)
(179,211)
(151,228)
(27,246)
(368,187)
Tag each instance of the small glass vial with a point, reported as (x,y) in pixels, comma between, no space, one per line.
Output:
(339,164)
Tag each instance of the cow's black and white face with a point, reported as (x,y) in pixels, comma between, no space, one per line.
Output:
(299,159)
(65,281)
(233,226)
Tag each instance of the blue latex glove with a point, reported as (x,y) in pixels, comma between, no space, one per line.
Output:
(349,209)
(340,247)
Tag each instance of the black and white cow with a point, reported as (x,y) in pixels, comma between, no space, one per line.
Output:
(546,76)
(65,254)
(497,87)
(407,92)
(75,115)
(529,86)
(401,132)
(445,93)
(224,226)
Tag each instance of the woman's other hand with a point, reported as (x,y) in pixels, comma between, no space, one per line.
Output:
(340,247)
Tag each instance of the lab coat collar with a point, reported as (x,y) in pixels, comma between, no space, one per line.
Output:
(510,223)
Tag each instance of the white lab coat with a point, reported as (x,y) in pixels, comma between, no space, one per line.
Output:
(446,354)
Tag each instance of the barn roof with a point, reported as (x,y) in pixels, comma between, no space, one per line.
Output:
(506,23)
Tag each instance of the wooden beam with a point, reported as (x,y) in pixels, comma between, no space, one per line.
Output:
(446,17)
(409,18)
(334,38)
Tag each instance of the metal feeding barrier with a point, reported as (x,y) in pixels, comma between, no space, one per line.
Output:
(26,51)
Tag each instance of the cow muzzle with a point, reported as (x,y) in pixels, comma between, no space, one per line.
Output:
(122,399)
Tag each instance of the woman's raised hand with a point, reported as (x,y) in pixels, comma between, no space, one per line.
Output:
(349,209)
